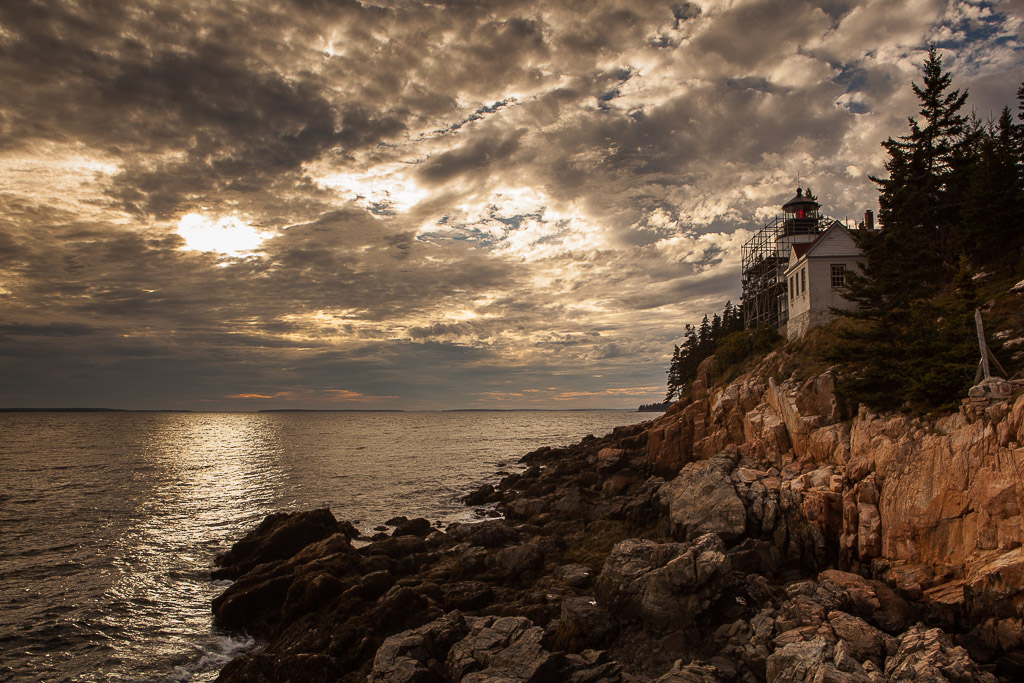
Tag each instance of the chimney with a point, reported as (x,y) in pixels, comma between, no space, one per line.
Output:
(869,220)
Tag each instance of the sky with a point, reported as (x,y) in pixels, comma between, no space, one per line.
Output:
(380,204)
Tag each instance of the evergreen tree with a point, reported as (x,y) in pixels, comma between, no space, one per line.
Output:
(909,344)
(675,380)
(915,206)
(993,208)
(704,340)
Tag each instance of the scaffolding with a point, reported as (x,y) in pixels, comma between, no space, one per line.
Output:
(763,277)
(765,258)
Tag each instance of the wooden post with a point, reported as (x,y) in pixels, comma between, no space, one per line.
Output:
(981,344)
(986,353)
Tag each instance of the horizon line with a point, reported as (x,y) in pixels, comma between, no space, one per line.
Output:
(314,410)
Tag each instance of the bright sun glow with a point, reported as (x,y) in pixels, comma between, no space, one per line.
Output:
(228,235)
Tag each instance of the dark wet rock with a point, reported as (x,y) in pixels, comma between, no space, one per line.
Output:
(395,547)
(469,561)
(521,560)
(372,585)
(403,607)
(488,534)
(309,592)
(395,521)
(278,537)
(413,527)
(252,603)
(482,496)
(467,596)
(418,654)
(265,668)
(755,556)
(1011,666)
(256,601)
(583,624)
(575,575)
(568,501)
(526,508)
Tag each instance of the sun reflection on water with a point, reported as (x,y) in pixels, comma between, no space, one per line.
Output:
(215,474)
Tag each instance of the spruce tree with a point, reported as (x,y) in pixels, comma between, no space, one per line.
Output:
(906,344)
(994,210)
(915,206)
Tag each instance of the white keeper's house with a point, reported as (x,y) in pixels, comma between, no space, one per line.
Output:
(794,269)
(816,276)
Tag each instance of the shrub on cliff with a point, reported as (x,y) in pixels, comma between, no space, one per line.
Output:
(741,346)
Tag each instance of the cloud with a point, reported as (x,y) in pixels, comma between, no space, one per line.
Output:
(454,202)
(313,396)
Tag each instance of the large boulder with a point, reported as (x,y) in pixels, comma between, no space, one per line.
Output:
(418,527)
(799,661)
(664,585)
(702,499)
(874,601)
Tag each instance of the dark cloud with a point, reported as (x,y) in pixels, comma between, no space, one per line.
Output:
(47,330)
(475,157)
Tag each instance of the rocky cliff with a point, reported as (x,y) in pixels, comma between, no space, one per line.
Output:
(751,533)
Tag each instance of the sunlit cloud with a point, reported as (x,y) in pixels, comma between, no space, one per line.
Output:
(307,395)
(228,235)
(623,391)
(381,189)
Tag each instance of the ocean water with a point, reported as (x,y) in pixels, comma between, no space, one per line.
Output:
(109,522)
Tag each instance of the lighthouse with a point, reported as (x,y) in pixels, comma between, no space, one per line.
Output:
(765,258)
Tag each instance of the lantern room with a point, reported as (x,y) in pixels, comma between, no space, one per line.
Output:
(800,214)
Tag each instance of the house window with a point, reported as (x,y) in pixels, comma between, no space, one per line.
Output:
(838,275)
(803,281)
(790,289)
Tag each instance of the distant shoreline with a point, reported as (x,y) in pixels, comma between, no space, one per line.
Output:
(92,410)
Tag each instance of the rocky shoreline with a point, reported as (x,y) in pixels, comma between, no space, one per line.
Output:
(751,533)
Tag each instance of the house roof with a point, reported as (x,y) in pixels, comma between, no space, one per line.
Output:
(800,251)
(798,200)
